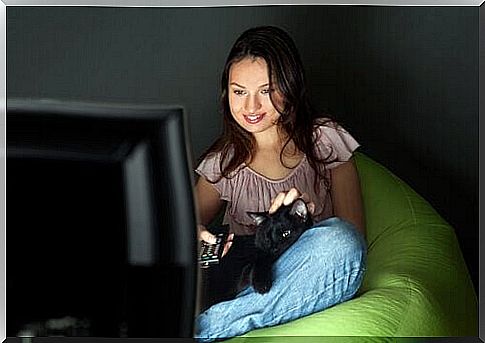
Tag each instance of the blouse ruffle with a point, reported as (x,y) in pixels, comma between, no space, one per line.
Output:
(249,191)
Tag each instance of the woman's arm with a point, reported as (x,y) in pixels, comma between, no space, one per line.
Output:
(346,194)
(208,201)
(209,204)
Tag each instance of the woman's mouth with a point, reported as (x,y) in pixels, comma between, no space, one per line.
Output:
(254,118)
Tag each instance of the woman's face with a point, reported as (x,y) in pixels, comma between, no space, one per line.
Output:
(249,96)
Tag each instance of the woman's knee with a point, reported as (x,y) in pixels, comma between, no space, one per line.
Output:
(336,236)
(330,247)
(329,258)
(340,249)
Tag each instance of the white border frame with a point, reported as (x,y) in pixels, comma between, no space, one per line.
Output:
(149,3)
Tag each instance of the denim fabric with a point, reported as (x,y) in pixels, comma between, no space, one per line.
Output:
(323,268)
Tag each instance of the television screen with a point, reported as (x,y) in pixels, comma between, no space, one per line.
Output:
(101,229)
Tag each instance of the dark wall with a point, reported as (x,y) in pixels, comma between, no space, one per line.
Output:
(403,80)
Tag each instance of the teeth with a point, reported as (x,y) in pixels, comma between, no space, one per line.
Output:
(254,118)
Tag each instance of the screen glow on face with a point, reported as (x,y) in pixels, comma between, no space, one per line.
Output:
(249,96)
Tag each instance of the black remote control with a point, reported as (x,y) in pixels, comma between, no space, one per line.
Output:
(211,253)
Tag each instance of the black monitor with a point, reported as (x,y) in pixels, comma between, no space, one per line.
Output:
(101,227)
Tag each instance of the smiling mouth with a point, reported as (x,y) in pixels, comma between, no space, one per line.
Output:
(254,119)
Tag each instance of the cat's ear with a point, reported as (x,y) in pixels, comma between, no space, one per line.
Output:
(299,209)
(258,217)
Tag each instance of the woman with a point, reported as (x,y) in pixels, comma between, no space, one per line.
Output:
(274,149)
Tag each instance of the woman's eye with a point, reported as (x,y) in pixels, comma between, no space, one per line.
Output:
(239,92)
(265,91)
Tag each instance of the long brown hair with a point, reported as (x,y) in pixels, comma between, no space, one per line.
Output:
(297,115)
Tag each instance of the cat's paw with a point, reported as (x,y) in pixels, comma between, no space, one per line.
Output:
(262,286)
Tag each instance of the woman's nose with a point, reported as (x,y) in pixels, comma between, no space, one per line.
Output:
(253,104)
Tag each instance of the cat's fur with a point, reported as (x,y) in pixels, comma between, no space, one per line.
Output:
(251,258)
(275,233)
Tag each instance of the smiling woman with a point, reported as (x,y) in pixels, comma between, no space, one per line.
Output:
(251,101)
(274,149)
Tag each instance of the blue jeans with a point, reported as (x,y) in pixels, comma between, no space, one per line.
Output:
(323,268)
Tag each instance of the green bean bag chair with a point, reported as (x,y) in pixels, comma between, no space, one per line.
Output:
(416,284)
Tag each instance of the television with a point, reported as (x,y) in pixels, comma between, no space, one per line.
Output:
(101,225)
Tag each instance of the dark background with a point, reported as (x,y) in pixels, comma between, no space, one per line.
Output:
(402,80)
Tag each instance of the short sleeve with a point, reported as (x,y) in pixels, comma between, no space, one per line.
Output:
(210,169)
(335,144)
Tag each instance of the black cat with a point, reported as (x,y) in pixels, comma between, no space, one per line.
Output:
(250,259)
(275,233)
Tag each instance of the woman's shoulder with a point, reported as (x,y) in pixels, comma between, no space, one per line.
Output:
(327,129)
(331,139)
(213,162)
(326,124)
(215,154)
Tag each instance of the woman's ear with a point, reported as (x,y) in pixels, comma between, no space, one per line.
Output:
(258,217)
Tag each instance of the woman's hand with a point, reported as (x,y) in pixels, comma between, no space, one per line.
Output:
(286,198)
(206,236)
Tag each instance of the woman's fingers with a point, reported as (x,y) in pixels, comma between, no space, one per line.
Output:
(283,198)
(286,198)
(291,196)
(208,237)
(205,235)
(311,207)
(309,204)
(277,202)
(228,244)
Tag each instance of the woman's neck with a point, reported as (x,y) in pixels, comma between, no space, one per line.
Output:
(271,139)
(272,142)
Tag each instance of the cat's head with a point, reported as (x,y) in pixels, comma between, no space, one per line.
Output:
(276,231)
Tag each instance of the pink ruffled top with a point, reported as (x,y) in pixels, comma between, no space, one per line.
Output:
(249,191)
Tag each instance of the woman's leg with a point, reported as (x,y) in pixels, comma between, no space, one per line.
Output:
(323,268)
